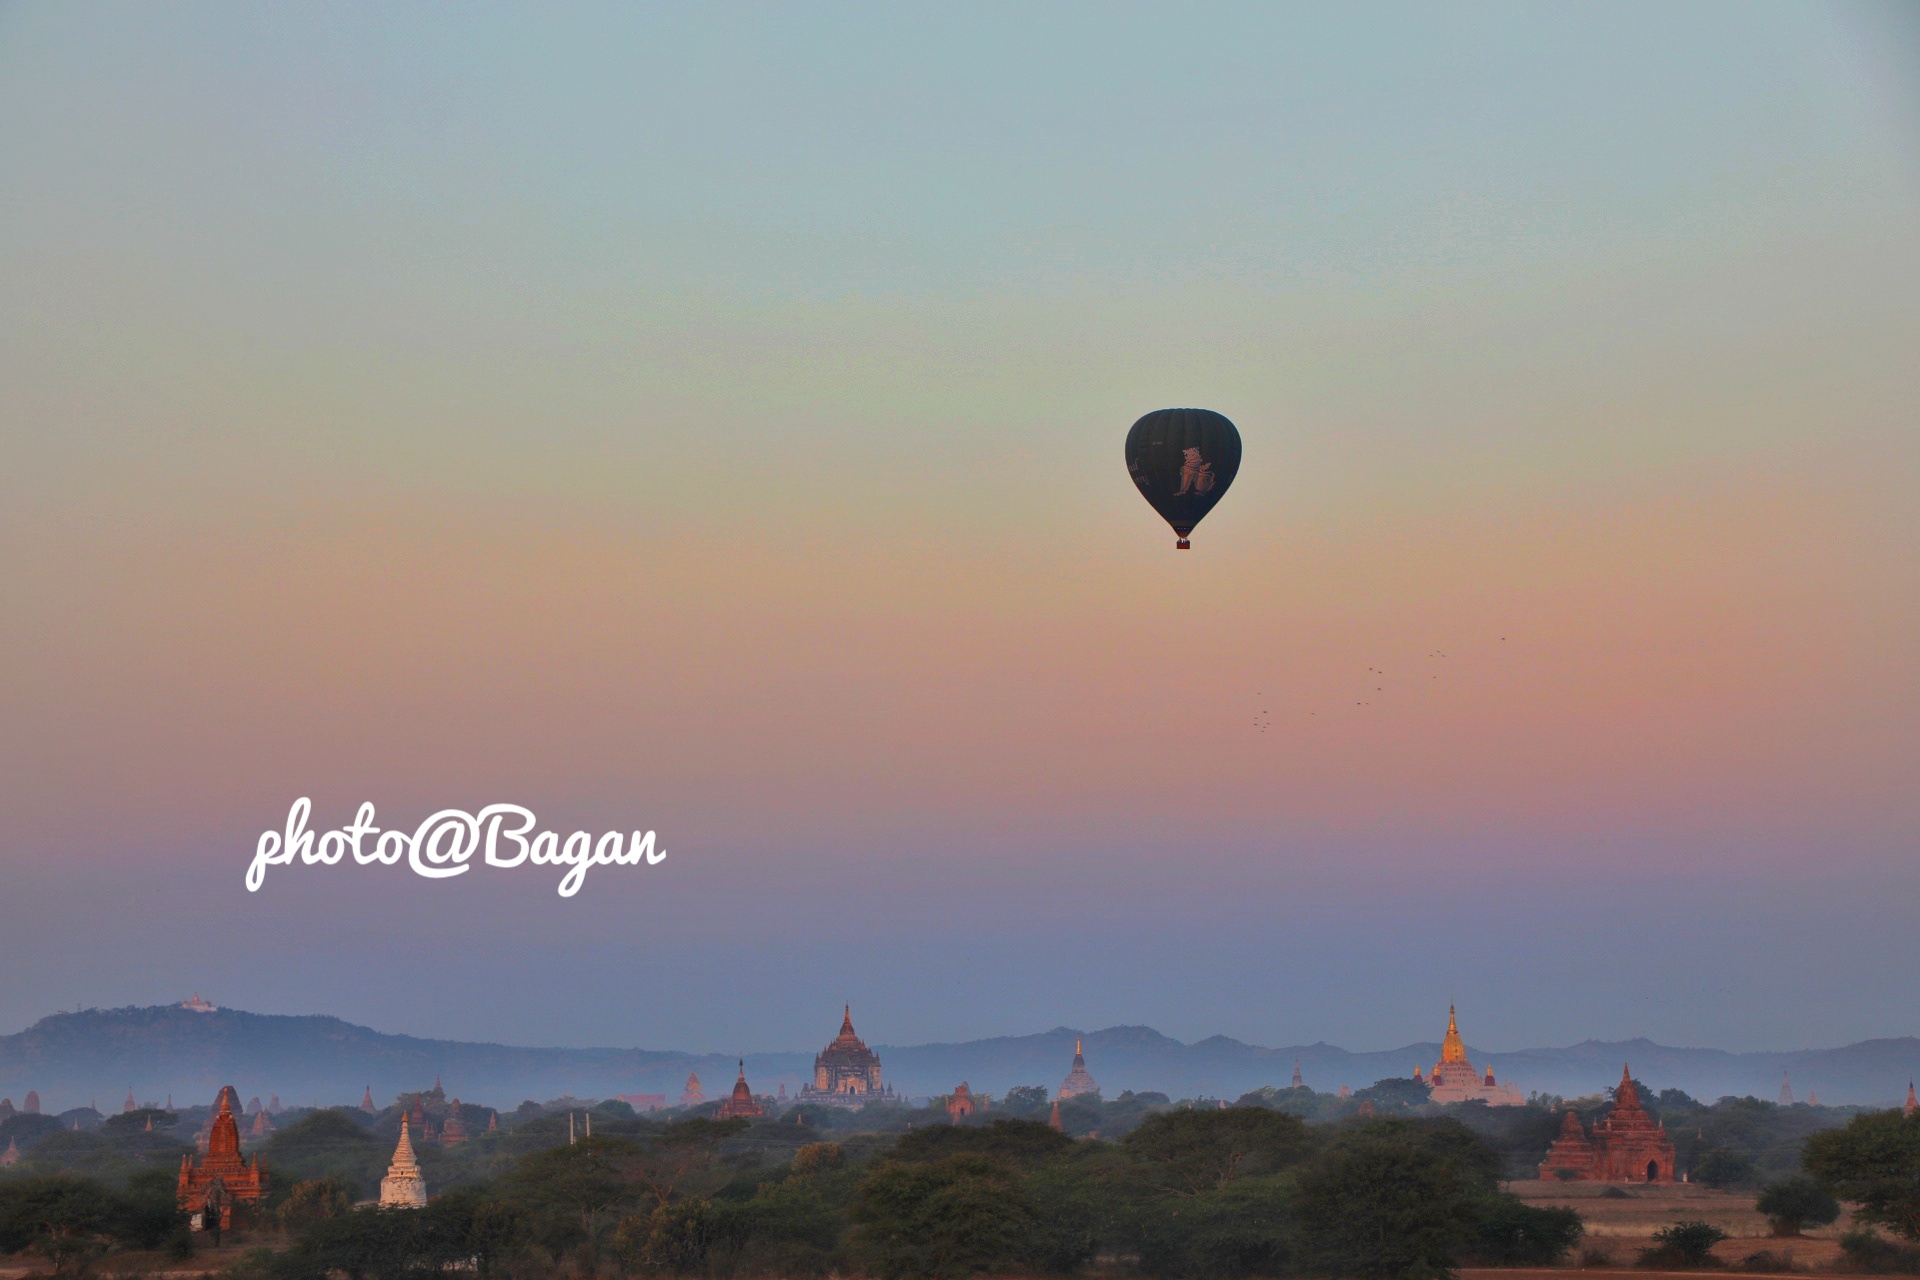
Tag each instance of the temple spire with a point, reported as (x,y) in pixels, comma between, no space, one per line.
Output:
(1453,1049)
(1913,1104)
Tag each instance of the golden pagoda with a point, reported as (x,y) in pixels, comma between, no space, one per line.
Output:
(1455,1080)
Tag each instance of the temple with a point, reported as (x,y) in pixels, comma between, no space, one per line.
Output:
(1786,1090)
(11,1156)
(403,1187)
(1296,1082)
(1078,1081)
(1913,1104)
(223,1173)
(1627,1146)
(741,1105)
(692,1095)
(454,1131)
(1455,1080)
(846,1073)
(366,1101)
(961,1103)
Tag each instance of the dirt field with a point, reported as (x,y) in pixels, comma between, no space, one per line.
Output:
(1621,1226)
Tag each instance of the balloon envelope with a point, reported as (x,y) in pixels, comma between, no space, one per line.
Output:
(1183,461)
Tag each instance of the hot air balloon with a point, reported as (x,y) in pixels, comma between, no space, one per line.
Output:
(1183,460)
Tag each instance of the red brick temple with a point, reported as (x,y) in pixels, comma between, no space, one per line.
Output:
(961,1103)
(1627,1146)
(222,1166)
(741,1104)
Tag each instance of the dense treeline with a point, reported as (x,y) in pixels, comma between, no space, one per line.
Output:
(1205,1193)
(1137,1185)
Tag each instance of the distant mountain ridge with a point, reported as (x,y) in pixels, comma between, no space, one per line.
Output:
(94,1056)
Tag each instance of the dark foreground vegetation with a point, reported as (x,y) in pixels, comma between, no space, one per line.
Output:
(1144,1187)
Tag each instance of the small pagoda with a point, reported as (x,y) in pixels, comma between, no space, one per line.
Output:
(741,1106)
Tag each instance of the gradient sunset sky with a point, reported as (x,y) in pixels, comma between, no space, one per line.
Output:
(710,418)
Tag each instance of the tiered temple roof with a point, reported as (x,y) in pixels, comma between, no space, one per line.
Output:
(1455,1080)
(223,1167)
(454,1131)
(403,1187)
(741,1105)
(846,1073)
(1078,1080)
(1627,1146)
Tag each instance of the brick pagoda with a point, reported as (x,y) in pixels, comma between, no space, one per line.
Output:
(223,1166)
(1627,1146)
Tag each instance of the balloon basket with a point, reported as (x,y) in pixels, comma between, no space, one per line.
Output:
(1182,545)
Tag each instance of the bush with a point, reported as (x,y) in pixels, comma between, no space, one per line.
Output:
(1767,1261)
(1863,1250)
(1683,1246)
(1795,1203)
(1513,1234)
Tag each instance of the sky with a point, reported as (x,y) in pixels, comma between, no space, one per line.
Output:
(709,420)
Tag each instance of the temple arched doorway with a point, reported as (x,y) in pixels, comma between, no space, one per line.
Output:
(1653,1171)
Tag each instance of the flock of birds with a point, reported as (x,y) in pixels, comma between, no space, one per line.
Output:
(1263,716)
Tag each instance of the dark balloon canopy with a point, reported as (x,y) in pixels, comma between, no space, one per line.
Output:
(1184,460)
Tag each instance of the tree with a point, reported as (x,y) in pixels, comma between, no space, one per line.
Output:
(309,1202)
(954,1217)
(575,1192)
(1382,1204)
(1722,1167)
(66,1219)
(1017,1143)
(1395,1091)
(1792,1204)
(1025,1099)
(818,1157)
(1873,1163)
(1683,1245)
(331,1144)
(1189,1152)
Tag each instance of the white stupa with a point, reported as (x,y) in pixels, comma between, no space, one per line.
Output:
(403,1187)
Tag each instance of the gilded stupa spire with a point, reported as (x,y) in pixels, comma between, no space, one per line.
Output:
(1452,1049)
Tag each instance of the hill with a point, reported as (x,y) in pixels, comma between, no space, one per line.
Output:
(96,1055)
